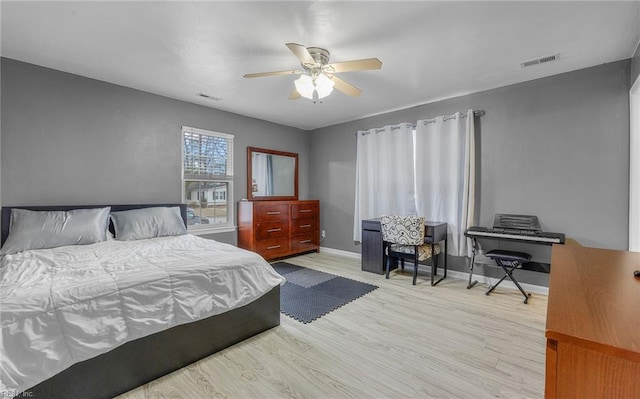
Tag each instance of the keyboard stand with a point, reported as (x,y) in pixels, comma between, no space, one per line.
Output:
(474,248)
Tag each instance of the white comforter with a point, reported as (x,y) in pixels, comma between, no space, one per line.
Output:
(65,305)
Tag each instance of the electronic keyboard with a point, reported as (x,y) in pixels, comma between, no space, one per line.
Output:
(523,235)
(516,228)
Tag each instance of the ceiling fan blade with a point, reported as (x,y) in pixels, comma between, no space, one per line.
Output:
(274,73)
(345,87)
(356,65)
(294,95)
(302,53)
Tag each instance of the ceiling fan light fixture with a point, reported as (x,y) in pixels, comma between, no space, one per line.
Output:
(304,86)
(324,85)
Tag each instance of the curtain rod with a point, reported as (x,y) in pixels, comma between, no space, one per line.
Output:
(479,113)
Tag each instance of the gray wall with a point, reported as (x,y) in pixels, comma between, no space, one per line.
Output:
(555,147)
(68,139)
(0,138)
(635,66)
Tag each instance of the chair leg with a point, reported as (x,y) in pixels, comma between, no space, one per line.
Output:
(434,266)
(445,263)
(435,259)
(493,287)
(402,263)
(434,262)
(415,267)
(445,257)
(508,272)
(388,265)
(525,294)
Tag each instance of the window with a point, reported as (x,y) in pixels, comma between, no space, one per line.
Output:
(437,182)
(207,178)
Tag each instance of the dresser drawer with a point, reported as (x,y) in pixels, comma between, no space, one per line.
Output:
(273,248)
(304,210)
(267,230)
(304,242)
(266,212)
(300,226)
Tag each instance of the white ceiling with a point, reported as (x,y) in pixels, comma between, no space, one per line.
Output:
(429,50)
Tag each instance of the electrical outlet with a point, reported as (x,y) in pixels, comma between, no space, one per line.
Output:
(322,234)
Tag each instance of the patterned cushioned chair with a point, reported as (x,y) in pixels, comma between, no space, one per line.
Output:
(403,238)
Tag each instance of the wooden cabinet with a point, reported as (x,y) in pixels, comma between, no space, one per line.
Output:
(276,229)
(593,345)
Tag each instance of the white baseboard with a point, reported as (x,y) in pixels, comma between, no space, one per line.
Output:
(536,289)
(347,254)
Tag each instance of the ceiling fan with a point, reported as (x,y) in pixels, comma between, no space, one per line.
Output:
(318,77)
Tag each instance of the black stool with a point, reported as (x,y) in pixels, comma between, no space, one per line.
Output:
(509,261)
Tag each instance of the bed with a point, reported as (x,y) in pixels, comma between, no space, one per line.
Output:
(143,359)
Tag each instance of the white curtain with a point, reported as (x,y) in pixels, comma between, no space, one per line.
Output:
(260,172)
(431,174)
(445,175)
(384,174)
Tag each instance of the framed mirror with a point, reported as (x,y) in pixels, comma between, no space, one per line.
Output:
(271,175)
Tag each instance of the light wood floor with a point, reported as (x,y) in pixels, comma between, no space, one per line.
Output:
(399,341)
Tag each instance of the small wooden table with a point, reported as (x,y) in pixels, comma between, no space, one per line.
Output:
(593,324)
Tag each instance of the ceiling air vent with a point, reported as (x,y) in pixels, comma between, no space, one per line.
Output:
(541,60)
(208,97)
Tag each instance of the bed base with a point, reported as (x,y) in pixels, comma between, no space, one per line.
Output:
(146,359)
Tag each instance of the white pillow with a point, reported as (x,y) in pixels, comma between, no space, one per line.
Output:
(138,224)
(50,229)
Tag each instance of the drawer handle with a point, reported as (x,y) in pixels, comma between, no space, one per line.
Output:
(273,230)
(274,247)
(305,210)
(273,213)
(304,241)
(302,226)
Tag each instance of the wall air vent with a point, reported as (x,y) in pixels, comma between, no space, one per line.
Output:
(541,60)
(208,97)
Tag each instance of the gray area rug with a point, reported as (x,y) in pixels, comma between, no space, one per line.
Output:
(310,294)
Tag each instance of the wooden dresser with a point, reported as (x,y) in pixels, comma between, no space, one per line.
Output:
(593,324)
(276,229)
